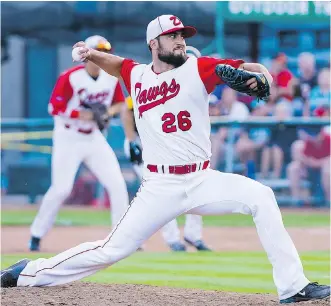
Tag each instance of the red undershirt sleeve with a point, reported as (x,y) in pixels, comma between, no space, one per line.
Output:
(206,67)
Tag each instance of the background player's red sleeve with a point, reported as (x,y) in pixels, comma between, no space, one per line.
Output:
(206,67)
(126,69)
(118,94)
(60,97)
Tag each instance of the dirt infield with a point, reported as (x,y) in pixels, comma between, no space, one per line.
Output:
(86,294)
(15,239)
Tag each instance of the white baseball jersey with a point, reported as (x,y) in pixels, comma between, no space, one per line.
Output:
(171,109)
(76,86)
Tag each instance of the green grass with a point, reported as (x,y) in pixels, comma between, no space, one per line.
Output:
(230,271)
(102,217)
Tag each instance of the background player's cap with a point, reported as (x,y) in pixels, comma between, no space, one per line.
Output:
(166,24)
(191,51)
(98,42)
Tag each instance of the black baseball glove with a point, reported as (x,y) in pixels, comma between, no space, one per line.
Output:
(135,153)
(100,114)
(237,78)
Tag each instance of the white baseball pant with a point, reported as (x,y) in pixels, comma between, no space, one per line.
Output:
(170,232)
(206,192)
(70,149)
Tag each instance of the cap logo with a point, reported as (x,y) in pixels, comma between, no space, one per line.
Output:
(175,20)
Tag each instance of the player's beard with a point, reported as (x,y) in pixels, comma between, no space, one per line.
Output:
(175,60)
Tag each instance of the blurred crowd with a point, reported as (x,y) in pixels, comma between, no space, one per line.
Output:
(293,153)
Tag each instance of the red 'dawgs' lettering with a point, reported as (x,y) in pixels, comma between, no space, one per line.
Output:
(85,97)
(175,20)
(183,120)
(148,97)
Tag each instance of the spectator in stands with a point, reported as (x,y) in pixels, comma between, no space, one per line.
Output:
(252,140)
(310,158)
(319,100)
(281,138)
(307,73)
(299,103)
(214,110)
(321,94)
(283,78)
(235,110)
(216,95)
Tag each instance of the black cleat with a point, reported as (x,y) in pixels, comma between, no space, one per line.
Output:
(177,247)
(10,275)
(312,291)
(34,244)
(198,244)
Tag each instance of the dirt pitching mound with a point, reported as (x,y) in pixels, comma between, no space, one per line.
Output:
(87,294)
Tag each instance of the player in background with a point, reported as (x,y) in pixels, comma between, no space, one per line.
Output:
(77,139)
(170,232)
(170,99)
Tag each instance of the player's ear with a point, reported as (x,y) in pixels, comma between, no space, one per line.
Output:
(154,44)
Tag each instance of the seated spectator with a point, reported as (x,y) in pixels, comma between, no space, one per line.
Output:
(234,110)
(281,138)
(216,95)
(283,78)
(253,140)
(307,73)
(261,108)
(310,157)
(299,102)
(319,101)
(214,110)
(321,94)
(246,99)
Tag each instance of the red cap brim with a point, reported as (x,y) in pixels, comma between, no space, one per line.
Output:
(187,30)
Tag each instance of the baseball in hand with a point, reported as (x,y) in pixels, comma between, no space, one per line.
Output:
(75,55)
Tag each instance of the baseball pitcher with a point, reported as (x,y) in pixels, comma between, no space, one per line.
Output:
(83,100)
(170,101)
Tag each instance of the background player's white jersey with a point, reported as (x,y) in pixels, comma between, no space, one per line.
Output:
(76,86)
(171,109)
(76,141)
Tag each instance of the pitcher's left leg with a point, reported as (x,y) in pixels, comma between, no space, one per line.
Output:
(221,193)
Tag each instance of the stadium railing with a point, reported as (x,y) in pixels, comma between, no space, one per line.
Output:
(15,133)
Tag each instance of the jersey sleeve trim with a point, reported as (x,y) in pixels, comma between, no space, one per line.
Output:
(118,94)
(126,70)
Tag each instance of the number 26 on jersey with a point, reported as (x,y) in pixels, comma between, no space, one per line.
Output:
(172,122)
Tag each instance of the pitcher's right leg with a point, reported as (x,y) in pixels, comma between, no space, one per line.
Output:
(147,213)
